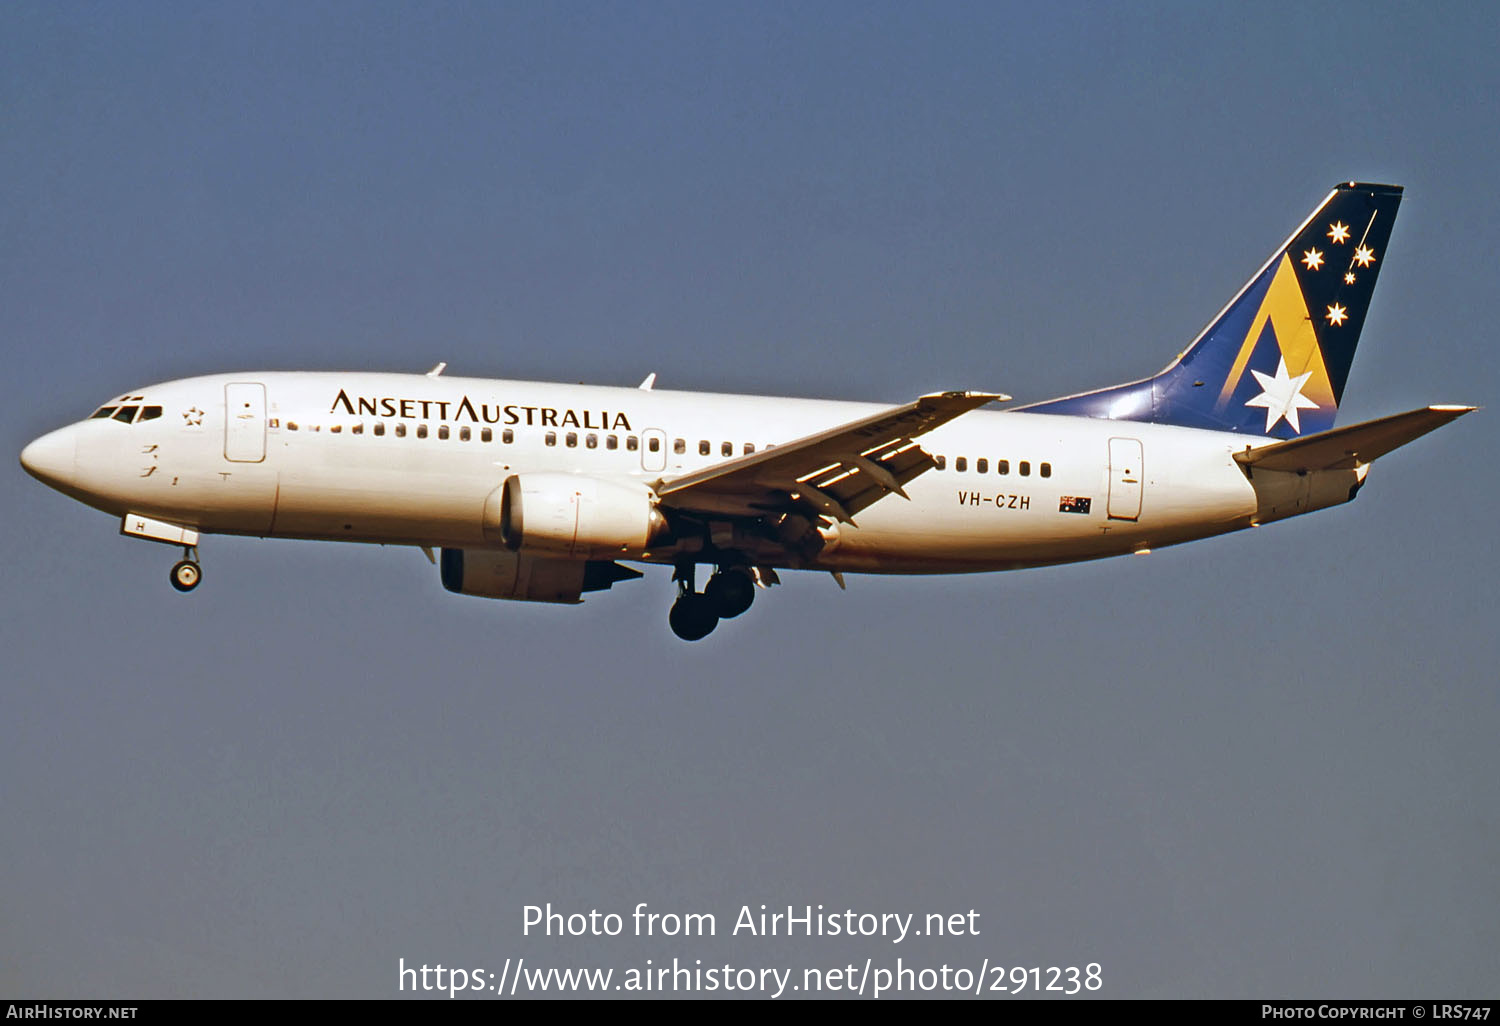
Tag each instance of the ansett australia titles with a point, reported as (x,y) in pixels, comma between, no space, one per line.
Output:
(479,413)
(750,921)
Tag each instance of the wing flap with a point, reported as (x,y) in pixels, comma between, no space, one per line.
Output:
(1347,447)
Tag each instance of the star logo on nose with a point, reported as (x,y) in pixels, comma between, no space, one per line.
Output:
(193,416)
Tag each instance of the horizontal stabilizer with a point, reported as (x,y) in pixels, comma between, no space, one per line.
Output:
(1347,447)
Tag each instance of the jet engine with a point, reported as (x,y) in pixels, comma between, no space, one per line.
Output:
(502,574)
(576,517)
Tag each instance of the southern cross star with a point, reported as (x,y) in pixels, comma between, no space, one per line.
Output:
(1281,396)
(1364,256)
(1313,259)
(1338,232)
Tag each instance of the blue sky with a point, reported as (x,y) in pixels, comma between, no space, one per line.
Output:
(1258,765)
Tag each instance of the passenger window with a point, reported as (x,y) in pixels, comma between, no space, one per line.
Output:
(488,435)
(357,429)
(1046,470)
(612,441)
(291,425)
(151,413)
(103,413)
(336,429)
(125,414)
(679,445)
(400,430)
(1025,468)
(727,449)
(940,462)
(551,438)
(464,434)
(982,465)
(507,436)
(749,448)
(1002,466)
(703,447)
(442,432)
(591,441)
(961,464)
(379,429)
(572,439)
(632,443)
(421,430)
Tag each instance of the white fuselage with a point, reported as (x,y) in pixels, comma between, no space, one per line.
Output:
(411,459)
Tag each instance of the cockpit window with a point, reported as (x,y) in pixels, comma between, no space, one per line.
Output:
(125,414)
(103,413)
(150,412)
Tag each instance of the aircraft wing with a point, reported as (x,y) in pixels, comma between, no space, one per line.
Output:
(834,473)
(1347,447)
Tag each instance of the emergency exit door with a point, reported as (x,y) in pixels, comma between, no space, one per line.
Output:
(245,422)
(653,450)
(1126,478)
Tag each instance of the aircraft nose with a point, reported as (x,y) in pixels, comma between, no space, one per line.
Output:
(52,458)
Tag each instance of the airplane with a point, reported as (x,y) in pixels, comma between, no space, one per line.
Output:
(543,492)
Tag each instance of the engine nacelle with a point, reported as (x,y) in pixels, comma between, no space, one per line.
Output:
(502,574)
(573,516)
(498,573)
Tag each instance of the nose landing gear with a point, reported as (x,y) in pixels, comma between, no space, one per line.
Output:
(186,574)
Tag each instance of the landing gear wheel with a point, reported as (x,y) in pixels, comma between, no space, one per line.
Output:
(731,592)
(692,617)
(186,575)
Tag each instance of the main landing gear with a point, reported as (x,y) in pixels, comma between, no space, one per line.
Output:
(694,615)
(186,574)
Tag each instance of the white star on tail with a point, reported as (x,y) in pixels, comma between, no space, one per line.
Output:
(1282,396)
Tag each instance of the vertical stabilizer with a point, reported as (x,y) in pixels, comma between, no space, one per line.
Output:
(1275,360)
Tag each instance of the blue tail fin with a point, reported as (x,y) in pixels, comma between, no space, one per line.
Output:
(1275,360)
